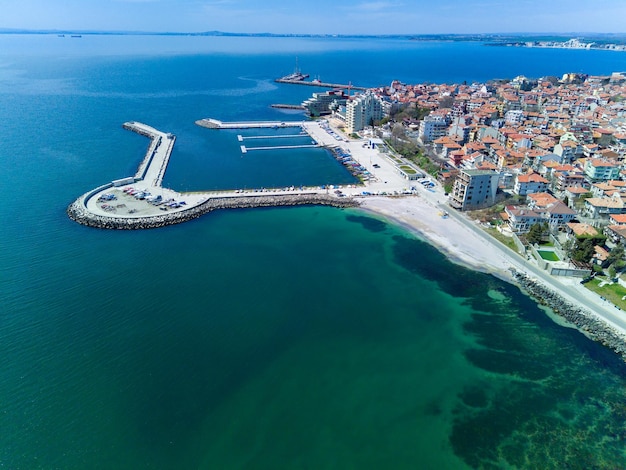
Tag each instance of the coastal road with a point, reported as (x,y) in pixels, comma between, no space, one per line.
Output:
(570,289)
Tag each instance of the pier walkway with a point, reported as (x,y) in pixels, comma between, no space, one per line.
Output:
(241,138)
(210,123)
(154,164)
(279,147)
(321,84)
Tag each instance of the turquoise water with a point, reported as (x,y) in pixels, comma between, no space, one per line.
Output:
(285,338)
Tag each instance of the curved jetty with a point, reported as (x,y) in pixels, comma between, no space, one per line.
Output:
(140,202)
(78,212)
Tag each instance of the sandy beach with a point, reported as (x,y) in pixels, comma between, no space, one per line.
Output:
(466,244)
(449,235)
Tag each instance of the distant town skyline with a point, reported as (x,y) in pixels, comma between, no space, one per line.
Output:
(318,17)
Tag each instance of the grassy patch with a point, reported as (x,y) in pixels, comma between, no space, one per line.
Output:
(507,241)
(612,292)
(548,255)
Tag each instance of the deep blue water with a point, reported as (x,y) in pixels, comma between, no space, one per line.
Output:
(285,338)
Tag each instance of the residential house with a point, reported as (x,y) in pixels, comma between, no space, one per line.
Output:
(603,137)
(579,229)
(568,150)
(320,103)
(558,214)
(617,219)
(520,219)
(616,233)
(444,146)
(598,170)
(554,211)
(540,200)
(569,179)
(603,189)
(530,183)
(573,193)
(601,208)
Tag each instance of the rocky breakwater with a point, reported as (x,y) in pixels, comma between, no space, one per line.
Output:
(590,324)
(78,212)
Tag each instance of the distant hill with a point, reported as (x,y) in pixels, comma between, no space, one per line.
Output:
(601,38)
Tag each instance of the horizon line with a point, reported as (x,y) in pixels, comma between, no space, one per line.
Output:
(230,33)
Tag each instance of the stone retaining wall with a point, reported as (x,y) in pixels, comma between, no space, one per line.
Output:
(79,213)
(589,323)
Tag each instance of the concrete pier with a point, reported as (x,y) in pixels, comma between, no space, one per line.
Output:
(253,137)
(321,84)
(141,202)
(279,147)
(298,107)
(210,123)
(154,164)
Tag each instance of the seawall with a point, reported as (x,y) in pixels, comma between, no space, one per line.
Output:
(79,213)
(584,320)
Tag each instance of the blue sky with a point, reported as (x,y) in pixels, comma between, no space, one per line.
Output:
(319,16)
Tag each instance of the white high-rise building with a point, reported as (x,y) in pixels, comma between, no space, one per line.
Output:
(362,110)
(474,189)
(432,127)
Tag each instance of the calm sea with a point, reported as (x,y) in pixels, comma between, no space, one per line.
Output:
(285,338)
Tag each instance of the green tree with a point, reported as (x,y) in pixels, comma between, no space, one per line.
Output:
(536,232)
(612,272)
(552,79)
(446,101)
(419,113)
(616,256)
(398,131)
(584,251)
(568,246)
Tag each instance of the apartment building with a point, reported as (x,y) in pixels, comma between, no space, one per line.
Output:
(598,170)
(320,103)
(432,128)
(530,183)
(362,111)
(474,189)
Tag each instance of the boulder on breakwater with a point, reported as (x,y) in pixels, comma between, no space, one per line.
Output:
(587,322)
(78,212)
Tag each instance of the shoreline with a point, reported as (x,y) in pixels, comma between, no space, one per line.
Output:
(580,308)
(420,217)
